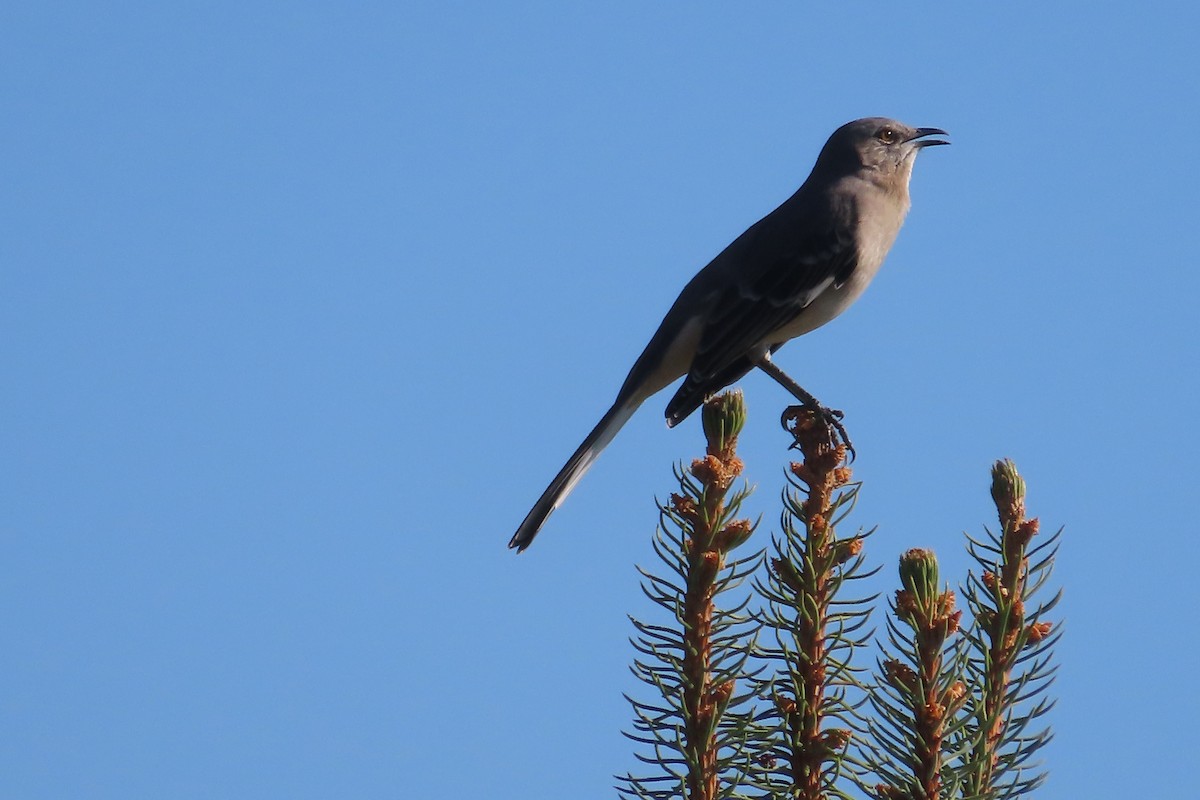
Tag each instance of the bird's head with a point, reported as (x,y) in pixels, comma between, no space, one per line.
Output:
(878,145)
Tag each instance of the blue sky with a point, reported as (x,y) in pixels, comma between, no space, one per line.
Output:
(303,305)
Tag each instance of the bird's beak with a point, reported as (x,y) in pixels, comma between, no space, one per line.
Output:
(927,132)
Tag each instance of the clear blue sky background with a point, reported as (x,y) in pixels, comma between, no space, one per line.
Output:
(303,304)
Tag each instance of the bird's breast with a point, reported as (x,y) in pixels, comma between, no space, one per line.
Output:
(872,247)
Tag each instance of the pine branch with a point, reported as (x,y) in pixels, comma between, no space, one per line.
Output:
(814,628)
(957,713)
(920,699)
(1013,662)
(692,665)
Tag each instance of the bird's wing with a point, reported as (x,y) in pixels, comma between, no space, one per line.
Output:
(773,280)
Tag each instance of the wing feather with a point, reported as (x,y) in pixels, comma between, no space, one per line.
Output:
(772,288)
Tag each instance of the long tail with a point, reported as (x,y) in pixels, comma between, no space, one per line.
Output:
(573,470)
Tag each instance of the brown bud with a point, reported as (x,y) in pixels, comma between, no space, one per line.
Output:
(734,535)
(847,549)
(802,472)
(720,695)
(955,697)
(1024,533)
(906,604)
(900,675)
(710,471)
(835,739)
(1018,609)
(993,585)
(684,506)
(1037,631)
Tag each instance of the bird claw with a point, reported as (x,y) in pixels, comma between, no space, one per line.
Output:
(831,418)
(833,423)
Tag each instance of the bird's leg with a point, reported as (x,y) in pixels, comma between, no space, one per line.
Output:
(832,417)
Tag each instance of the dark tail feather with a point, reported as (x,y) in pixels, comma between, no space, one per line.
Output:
(693,393)
(572,471)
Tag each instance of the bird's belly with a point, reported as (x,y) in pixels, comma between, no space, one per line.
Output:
(827,305)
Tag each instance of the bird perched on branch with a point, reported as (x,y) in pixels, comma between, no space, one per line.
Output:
(789,273)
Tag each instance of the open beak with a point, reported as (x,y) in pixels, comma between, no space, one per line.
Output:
(921,132)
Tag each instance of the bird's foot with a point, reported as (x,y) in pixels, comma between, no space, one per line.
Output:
(829,418)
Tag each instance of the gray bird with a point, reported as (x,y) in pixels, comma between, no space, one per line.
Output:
(791,272)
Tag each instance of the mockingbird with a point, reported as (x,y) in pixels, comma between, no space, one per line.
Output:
(791,272)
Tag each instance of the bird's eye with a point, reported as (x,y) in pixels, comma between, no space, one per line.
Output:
(887,135)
